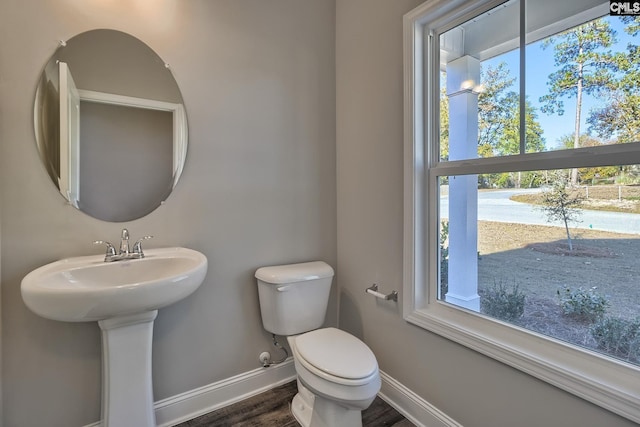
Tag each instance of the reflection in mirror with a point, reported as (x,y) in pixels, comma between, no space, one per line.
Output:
(110,125)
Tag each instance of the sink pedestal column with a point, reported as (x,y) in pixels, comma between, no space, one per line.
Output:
(127,392)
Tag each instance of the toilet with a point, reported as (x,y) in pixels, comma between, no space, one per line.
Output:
(337,374)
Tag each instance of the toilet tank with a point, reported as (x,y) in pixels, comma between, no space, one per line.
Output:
(294,297)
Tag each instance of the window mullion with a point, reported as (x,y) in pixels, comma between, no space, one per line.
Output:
(608,155)
(523,99)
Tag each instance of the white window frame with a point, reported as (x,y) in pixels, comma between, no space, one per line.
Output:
(602,380)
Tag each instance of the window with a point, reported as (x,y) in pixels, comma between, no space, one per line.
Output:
(516,140)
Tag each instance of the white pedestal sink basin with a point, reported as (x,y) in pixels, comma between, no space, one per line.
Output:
(85,289)
(124,297)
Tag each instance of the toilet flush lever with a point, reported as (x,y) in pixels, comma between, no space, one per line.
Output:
(283,288)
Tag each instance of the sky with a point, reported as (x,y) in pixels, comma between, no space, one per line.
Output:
(540,64)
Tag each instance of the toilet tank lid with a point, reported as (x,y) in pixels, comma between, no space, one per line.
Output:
(280,274)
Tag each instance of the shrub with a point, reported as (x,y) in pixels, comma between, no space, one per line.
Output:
(582,303)
(627,179)
(618,337)
(502,303)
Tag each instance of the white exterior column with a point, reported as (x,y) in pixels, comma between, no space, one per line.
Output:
(463,75)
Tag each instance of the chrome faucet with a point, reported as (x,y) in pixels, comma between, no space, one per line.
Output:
(125,252)
(124,242)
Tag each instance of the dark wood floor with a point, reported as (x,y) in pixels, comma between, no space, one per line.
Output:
(271,408)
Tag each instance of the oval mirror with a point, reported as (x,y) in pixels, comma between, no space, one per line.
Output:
(110,125)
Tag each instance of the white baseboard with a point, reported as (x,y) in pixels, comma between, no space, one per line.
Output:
(191,404)
(414,408)
(186,406)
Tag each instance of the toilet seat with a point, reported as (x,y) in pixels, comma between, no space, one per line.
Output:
(336,356)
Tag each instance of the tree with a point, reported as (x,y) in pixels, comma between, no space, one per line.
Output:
(566,141)
(509,141)
(586,66)
(498,117)
(497,105)
(592,174)
(499,123)
(559,205)
(619,118)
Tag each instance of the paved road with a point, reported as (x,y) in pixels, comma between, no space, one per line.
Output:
(496,206)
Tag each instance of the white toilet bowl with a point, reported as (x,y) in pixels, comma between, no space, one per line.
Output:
(338,374)
(338,377)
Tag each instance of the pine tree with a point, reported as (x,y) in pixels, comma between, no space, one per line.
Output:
(619,118)
(586,66)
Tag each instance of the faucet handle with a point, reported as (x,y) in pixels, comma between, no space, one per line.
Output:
(111,250)
(137,246)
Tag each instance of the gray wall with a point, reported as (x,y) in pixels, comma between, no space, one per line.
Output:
(102,61)
(258,188)
(472,389)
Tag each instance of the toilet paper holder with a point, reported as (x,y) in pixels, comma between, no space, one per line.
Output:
(373,290)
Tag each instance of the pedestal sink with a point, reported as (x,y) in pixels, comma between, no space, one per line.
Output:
(124,298)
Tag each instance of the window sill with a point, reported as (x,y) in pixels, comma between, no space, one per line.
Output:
(606,382)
